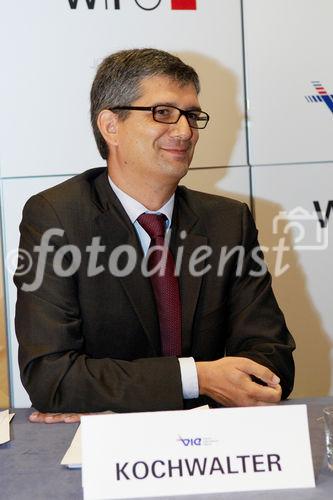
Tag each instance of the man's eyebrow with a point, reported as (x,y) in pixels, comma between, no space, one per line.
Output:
(173,104)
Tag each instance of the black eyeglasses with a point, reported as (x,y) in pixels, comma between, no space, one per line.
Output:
(171,114)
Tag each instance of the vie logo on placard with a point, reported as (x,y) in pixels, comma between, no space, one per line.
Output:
(142,4)
(190,441)
(197,441)
(321,96)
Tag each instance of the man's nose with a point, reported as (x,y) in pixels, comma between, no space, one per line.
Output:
(181,129)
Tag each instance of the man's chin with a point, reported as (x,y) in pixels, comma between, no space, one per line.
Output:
(178,169)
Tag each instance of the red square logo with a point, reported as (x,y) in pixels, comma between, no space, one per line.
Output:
(183,4)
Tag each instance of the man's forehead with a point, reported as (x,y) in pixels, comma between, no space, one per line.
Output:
(167,87)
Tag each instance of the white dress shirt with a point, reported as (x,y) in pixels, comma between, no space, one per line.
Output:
(134,209)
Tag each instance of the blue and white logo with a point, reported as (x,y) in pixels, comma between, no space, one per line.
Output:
(321,96)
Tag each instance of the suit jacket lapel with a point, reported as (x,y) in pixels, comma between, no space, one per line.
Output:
(185,219)
(115,228)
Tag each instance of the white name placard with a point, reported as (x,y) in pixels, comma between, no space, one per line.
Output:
(182,452)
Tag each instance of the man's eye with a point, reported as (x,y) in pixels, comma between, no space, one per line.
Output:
(162,112)
(193,115)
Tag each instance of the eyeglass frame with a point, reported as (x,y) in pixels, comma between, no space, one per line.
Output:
(182,112)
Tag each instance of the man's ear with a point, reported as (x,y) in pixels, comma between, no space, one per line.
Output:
(107,123)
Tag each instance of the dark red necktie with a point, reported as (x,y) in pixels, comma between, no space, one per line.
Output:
(165,285)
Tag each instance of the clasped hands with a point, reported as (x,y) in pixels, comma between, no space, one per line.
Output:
(229,381)
(235,381)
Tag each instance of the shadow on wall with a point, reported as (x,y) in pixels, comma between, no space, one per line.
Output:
(213,181)
(313,343)
(218,97)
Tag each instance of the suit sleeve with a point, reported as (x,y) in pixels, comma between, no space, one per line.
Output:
(55,370)
(257,329)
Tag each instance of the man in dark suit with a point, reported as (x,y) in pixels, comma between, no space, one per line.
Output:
(90,323)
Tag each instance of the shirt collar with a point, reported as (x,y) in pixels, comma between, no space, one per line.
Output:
(134,208)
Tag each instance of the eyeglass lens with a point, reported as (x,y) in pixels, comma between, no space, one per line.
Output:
(170,114)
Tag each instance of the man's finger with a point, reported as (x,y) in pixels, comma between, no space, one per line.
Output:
(40,417)
(73,417)
(261,372)
(34,416)
(54,418)
(264,393)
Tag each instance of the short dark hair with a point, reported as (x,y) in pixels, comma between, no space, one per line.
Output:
(118,78)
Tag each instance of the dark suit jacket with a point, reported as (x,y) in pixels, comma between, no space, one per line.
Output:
(92,343)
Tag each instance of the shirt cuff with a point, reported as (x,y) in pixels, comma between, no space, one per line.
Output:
(189,376)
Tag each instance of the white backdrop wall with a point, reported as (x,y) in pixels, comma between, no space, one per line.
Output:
(256,60)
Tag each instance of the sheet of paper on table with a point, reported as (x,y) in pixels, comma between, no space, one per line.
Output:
(5,418)
(72,458)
